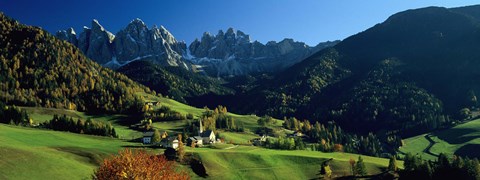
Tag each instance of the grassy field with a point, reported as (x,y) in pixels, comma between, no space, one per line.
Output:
(40,114)
(28,153)
(45,154)
(248,121)
(248,162)
(239,138)
(463,139)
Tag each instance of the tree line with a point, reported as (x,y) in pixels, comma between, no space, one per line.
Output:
(14,115)
(285,143)
(456,167)
(330,138)
(89,126)
(165,113)
(219,119)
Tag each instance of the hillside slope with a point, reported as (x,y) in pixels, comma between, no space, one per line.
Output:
(175,82)
(39,70)
(72,156)
(462,140)
(416,69)
(61,155)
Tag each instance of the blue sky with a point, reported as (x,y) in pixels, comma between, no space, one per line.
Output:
(310,21)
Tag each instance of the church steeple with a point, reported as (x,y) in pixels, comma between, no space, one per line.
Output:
(200,130)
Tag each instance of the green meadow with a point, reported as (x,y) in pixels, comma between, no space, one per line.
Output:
(63,155)
(463,140)
(249,162)
(29,153)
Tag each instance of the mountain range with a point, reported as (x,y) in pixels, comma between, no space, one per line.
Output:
(135,42)
(232,53)
(226,54)
(405,86)
(419,68)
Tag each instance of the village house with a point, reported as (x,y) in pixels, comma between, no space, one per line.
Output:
(196,140)
(207,137)
(153,103)
(259,141)
(147,137)
(169,142)
(165,142)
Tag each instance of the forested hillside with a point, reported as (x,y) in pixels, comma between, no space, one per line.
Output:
(419,68)
(175,82)
(39,70)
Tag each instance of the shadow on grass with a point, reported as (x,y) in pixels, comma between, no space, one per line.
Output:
(91,157)
(121,119)
(470,150)
(198,168)
(456,136)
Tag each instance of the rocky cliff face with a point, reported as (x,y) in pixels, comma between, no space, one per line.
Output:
(155,44)
(233,53)
(68,35)
(135,42)
(228,53)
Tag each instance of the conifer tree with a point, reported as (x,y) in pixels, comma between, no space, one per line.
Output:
(360,168)
(392,164)
(156,137)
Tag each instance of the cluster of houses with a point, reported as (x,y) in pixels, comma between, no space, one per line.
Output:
(259,141)
(153,103)
(203,138)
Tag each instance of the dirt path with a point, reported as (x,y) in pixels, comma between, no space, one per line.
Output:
(231,147)
(428,149)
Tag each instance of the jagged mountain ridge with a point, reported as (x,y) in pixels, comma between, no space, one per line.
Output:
(226,54)
(135,42)
(233,53)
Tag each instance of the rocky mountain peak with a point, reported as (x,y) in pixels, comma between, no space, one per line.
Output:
(137,25)
(162,32)
(137,21)
(96,43)
(226,53)
(71,31)
(233,53)
(134,42)
(96,26)
(68,35)
(220,34)
(207,35)
(230,33)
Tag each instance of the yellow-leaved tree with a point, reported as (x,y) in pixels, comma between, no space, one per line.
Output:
(138,164)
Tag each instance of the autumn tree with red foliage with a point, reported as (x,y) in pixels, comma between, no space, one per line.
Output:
(139,164)
(338,148)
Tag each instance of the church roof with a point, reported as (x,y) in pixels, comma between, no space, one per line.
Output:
(148,134)
(207,133)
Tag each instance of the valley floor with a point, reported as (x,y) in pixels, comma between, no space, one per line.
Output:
(28,153)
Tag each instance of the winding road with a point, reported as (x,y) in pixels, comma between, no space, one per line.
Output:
(428,149)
